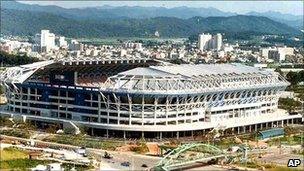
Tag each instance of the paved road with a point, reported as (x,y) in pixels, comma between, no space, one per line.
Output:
(207,168)
(281,156)
(136,160)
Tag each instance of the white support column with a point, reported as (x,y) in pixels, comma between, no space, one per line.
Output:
(244,129)
(117,101)
(256,127)
(107,133)
(167,109)
(238,130)
(124,134)
(160,135)
(108,108)
(177,134)
(278,124)
(130,108)
(155,109)
(99,107)
(142,109)
(250,128)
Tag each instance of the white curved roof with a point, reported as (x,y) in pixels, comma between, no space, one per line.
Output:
(20,73)
(194,78)
(188,70)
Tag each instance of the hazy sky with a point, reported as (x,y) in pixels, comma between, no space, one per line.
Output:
(291,7)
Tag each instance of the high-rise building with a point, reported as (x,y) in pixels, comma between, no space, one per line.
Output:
(209,42)
(62,42)
(265,51)
(280,53)
(75,46)
(203,41)
(218,41)
(47,40)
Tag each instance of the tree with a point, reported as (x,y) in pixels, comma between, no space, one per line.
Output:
(290,130)
(13,60)
(278,70)
(289,104)
(293,78)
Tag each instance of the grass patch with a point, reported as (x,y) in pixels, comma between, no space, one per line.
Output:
(267,167)
(225,143)
(282,168)
(68,166)
(287,140)
(16,133)
(26,164)
(84,142)
(13,153)
(21,164)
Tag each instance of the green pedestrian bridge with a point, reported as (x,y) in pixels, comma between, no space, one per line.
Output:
(189,154)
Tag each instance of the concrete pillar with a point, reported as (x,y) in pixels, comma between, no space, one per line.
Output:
(250,128)
(238,130)
(192,134)
(291,121)
(278,124)
(142,134)
(124,134)
(160,135)
(261,126)
(271,124)
(177,134)
(244,129)
(107,133)
(256,127)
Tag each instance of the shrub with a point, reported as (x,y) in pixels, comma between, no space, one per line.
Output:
(16,133)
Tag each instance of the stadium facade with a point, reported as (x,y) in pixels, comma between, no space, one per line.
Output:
(138,97)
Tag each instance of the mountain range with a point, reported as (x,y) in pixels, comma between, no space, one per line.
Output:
(109,21)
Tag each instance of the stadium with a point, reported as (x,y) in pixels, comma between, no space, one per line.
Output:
(141,97)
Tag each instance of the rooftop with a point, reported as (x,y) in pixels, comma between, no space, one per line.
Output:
(188,70)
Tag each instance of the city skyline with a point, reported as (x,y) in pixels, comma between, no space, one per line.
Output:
(240,7)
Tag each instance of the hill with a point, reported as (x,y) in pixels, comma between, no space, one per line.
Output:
(295,21)
(138,12)
(117,12)
(20,22)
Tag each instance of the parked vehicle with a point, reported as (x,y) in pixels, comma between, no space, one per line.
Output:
(107,155)
(144,165)
(126,164)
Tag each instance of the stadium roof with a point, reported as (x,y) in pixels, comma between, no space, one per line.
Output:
(195,78)
(188,70)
